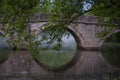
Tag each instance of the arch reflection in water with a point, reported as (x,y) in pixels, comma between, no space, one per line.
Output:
(111,49)
(89,65)
(111,52)
(55,59)
(4,49)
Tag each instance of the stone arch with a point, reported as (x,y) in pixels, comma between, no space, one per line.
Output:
(37,27)
(78,37)
(76,34)
(3,42)
(111,33)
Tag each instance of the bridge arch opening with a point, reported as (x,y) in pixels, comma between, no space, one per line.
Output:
(78,38)
(4,49)
(110,35)
(59,59)
(111,49)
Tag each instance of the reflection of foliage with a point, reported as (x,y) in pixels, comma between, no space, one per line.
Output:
(111,53)
(4,55)
(54,59)
(113,76)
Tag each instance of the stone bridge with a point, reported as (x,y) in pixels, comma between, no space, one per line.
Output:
(84,31)
(20,64)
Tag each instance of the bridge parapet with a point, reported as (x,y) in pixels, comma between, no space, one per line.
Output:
(91,20)
(84,29)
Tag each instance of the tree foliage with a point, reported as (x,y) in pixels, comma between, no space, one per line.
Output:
(108,15)
(14,16)
(67,11)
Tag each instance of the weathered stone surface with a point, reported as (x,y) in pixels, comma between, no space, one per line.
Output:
(84,29)
(21,66)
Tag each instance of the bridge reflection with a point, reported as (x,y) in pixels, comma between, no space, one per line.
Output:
(21,65)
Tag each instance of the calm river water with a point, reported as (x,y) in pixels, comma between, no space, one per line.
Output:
(69,63)
(85,65)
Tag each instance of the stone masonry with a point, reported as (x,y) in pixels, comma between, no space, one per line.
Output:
(84,30)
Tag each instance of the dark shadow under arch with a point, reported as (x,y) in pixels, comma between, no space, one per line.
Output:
(77,39)
(109,35)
